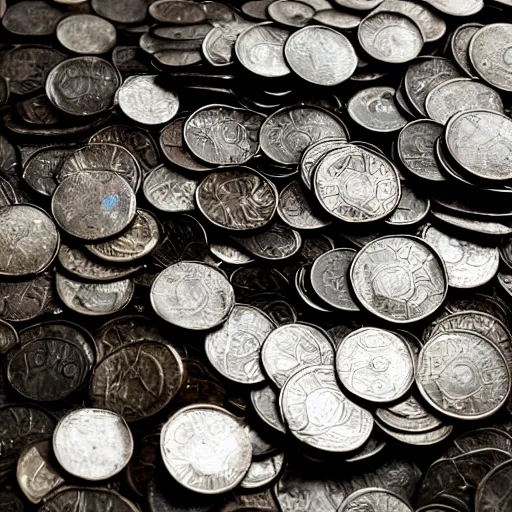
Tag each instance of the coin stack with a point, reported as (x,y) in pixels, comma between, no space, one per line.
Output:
(256,256)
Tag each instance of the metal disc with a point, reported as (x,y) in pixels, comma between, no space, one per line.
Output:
(380,500)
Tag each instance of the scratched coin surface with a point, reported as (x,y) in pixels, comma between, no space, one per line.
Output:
(463,375)
(320,415)
(238,199)
(399,278)
(205,449)
(286,133)
(234,349)
(376,500)
(291,347)
(493,492)
(375,364)
(137,380)
(356,185)
(192,295)
(468,264)
(92,444)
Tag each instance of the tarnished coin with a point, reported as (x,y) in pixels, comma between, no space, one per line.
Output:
(205,449)
(375,109)
(411,209)
(31,18)
(132,11)
(89,499)
(390,37)
(137,380)
(145,100)
(94,299)
(92,444)
(460,46)
(230,254)
(292,347)
(8,337)
(356,185)
(262,473)
(286,133)
(376,500)
(192,295)
(457,8)
(177,12)
(83,86)
(87,34)
(320,55)
(234,349)
(260,49)
(468,264)
(93,205)
(30,240)
(238,199)
(399,278)
(375,364)
(470,379)
(265,403)
(493,492)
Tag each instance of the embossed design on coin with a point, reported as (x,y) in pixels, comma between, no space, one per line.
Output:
(262,473)
(411,209)
(459,44)
(265,403)
(374,500)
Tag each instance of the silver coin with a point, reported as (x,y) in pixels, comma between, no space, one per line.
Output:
(31,18)
(375,364)
(92,444)
(399,278)
(411,209)
(8,337)
(493,492)
(230,254)
(287,132)
(456,8)
(292,347)
(468,264)
(478,439)
(93,205)
(192,295)
(205,449)
(470,378)
(358,5)
(89,499)
(263,472)
(30,240)
(356,185)
(474,226)
(134,11)
(338,20)
(376,500)
(374,108)
(320,55)
(234,349)
(293,13)
(319,414)
(390,37)
(460,46)
(238,199)
(176,12)
(431,437)
(223,135)
(265,403)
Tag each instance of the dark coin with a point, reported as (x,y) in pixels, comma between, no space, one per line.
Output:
(7,194)
(38,111)
(133,11)
(493,491)
(176,12)
(480,439)
(130,59)
(90,500)
(378,499)
(31,18)
(411,209)
(8,337)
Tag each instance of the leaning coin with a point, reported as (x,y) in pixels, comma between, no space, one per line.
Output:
(265,403)
(474,226)
(456,8)
(8,337)
(375,271)
(358,5)
(214,455)
(411,209)
(493,492)
(230,254)
(460,40)
(431,437)
(294,14)
(262,473)
(338,20)
(133,11)
(375,499)
(458,385)
(176,12)
(92,444)
(192,295)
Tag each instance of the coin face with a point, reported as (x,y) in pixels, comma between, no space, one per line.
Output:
(494,490)
(459,383)
(134,11)
(31,18)
(192,295)
(234,349)
(379,500)
(454,8)
(237,199)
(399,278)
(356,185)
(205,449)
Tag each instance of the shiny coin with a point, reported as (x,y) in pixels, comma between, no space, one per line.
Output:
(419,439)
(399,278)
(411,209)
(456,8)
(265,403)
(290,13)
(472,225)
(192,295)
(292,347)
(358,5)
(378,500)
(31,18)
(234,349)
(337,19)
(460,46)
(320,55)
(263,472)
(458,384)
(205,449)
(230,254)
(176,12)
(493,491)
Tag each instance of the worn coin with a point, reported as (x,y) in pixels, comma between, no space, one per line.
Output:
(8,337)
(460,46)
(493,492)
(411,209)
(205,449)
(456,8)
(378,500)
(358,5)
(176,12)
(265,403)
(230,254)
(31,18)
(293,13)
(132,11)
(262,473)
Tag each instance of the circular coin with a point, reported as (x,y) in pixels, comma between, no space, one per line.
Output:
(493,492)
(176,12)
(31,18)
(460,46)
(89,499)
(8,337)
(265,403)
(262,473)
(376,500)
(130,11)
(411,209)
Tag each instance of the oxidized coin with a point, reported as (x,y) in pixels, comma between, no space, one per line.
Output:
(30,240)
(234,349)
(238,199)
(265,403)
(8,337)
(399,278)
(468,264)
(82,86)
(144,100)
(459,44)
(356,185)
(463,375)
(31,18)
(319,414)
(137,380)
(93,205)
(286,133)
(262,473)
(206,449)
(89,499)
(375,364)
(390,37)
(292,347)
(192,295)
(493,492)
(223,135)
(376,500)
(92,444)
(410,210)
(329,279)
(320,55)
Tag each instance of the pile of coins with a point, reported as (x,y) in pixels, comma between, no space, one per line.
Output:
(255,256)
